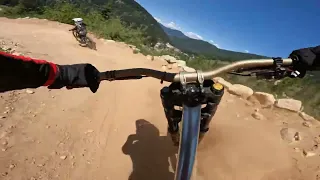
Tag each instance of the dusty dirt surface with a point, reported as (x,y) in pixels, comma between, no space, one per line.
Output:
(120,132)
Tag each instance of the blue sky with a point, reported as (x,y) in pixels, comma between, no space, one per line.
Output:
(266,27)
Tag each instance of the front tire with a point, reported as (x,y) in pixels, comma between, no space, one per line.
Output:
(187,153)
(75,34)
(83,40)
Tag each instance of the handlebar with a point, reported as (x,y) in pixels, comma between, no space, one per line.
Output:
(138,73)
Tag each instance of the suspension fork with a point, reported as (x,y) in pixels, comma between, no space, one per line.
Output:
(173,96)
(168,102)
(195,120)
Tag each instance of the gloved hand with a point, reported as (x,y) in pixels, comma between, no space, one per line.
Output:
(76,76)
(303,60)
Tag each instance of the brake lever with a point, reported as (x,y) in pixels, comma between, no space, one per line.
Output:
(263,74)
(276,72)
(273,74)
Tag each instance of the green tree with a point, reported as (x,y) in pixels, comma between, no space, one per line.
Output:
(30,5)
(107,11)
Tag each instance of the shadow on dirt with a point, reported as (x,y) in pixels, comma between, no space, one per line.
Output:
(150,153)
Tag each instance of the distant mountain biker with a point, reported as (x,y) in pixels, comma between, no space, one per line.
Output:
(19,72)
(80,27)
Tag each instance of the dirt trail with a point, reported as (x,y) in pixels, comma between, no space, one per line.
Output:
(62,134)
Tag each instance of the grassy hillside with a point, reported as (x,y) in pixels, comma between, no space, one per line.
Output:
(132,13)
(129,12)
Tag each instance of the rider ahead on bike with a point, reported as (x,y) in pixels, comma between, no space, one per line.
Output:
(80,27)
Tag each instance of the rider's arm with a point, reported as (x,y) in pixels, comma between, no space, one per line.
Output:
(74,28)
(310,57)
(316,51)
(19,72)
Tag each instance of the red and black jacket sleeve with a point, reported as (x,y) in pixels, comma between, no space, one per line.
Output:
(19,72)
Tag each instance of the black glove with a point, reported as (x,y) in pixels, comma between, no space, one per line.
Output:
(77,75)
(303,60)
